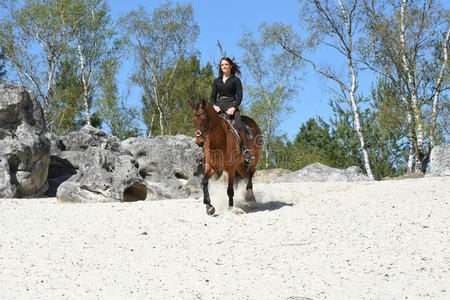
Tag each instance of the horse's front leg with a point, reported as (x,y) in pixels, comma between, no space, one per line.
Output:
(230,189)
(210,210)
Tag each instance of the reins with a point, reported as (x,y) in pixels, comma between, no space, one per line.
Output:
(208,129)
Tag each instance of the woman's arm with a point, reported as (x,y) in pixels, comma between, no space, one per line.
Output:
(238,92)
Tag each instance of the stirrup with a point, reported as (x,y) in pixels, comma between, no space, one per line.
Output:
(248,155)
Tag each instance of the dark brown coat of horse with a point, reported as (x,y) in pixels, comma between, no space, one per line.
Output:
(223,151)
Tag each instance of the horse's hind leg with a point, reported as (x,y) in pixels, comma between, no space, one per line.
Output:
(210,210)
(249,197)
(249,188)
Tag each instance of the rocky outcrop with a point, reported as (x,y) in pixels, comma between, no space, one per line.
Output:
(24,148)
(92,166)
(440,161)
(320,172)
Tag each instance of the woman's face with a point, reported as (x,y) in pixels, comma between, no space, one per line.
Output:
(225,66)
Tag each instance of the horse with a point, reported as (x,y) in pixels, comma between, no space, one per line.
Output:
(223,151)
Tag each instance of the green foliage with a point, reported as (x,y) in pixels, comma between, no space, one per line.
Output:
(65,110)
(35,35)
(118,118)
(160,40)
(191,83)
(269,99)
(386,131)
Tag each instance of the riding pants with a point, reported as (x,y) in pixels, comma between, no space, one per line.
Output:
(227,102)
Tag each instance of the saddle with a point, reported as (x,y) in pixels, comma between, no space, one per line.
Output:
(232,125)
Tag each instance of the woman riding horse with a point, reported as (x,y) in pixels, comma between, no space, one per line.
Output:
(228,89)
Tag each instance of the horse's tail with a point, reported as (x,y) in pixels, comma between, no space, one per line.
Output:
(252,124)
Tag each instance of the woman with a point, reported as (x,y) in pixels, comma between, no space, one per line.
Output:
(226,96)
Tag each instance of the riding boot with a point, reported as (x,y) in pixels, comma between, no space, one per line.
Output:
(248,153)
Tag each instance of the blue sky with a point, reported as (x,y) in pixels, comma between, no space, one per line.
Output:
(226,21)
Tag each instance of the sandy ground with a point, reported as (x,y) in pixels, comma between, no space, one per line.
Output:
(379,240)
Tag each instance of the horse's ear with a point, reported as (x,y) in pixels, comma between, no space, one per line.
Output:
(203,102)
(191,104)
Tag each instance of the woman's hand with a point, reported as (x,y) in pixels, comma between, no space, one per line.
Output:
(216,108)
(230,111)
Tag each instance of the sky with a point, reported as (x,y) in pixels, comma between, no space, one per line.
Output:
(226,21)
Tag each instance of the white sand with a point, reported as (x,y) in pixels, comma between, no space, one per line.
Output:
(379,240)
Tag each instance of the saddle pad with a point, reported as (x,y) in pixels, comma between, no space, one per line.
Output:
(234,130)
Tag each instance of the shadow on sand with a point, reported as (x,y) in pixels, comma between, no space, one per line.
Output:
(267,206)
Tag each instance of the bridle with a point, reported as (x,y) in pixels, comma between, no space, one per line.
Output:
(198,133)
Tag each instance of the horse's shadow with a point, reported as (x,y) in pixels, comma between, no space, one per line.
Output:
(266,206)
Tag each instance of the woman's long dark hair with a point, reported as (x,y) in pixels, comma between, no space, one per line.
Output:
(235,69)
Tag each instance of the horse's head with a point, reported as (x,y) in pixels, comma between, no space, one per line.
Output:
(201,121)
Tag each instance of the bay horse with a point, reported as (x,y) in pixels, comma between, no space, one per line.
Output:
(223,151)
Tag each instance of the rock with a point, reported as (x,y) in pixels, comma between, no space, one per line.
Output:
(320,172)
(24,148)
(86,137)
(102,176)
(439,161)
(92,166)
(167,164)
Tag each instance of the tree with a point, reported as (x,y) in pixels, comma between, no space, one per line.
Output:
(386,130)
(314,143)
(190,83)
(94,44)
(270,97)
(159,40)
(66,105)
(35,35)
(120,119)
(334,26)
(401,45)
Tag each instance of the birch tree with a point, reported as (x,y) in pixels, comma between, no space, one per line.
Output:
(34,36)
(438,89)
(159,40)
(93,43)
(333,25)
(400,45)
(273,75)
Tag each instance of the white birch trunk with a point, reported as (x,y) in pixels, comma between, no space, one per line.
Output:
(352,95)
(149,130)
(87,107)
(413,93)
(438,90)
(412,147)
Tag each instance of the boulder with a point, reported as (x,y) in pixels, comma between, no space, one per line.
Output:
(320,172)
(24,148)
(101,176)
(439,161)
(168,164)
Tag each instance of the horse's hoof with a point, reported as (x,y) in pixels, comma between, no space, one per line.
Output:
(210,210)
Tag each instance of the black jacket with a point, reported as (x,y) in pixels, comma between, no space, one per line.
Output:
(231,88)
